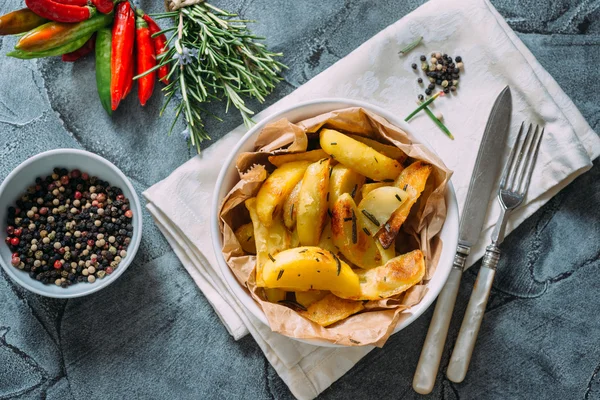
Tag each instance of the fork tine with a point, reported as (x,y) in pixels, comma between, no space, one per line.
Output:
(514,169)
(531,165)
(524,157)
(511,157)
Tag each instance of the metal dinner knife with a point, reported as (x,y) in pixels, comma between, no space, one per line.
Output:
(481,189)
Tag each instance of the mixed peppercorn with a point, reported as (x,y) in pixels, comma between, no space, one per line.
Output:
(441,70)
(69,227)
(74,28)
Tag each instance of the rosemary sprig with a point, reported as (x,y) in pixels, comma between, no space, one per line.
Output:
(213,56)
(439,123)
(410,46)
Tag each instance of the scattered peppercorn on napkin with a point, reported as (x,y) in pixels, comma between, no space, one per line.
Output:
(493,57)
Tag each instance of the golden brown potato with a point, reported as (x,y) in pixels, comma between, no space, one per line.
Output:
(377,206)
(358,156)
(351,237)
(305,268)
(305,299)
(412,180)
(312,203)
(368,187)
(395,277)
(344,180)
(274,295)
(311,156)
(331,309)
(326,241)
(385,149)
(269,241)
(245,235)
(290,207)
(276,188)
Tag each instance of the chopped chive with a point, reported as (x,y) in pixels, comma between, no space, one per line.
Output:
(423,105)
(354,232)
(399,199)
(280,274)
(367,231)
(354,190)
(354,341)
(439,123)
(249,239)
(384,278)
(376,159)
(405,187)
(347,219)
(321,161)
(318,261)
(333,143)
(387,180)
(330,171)
(271,257)
(321,253)
(410,46)
(303,251)
(371,217)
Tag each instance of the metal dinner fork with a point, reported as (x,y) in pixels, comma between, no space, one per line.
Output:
(513,187)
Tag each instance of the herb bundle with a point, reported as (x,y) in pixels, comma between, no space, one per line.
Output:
(213,56)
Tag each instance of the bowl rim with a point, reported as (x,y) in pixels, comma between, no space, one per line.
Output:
(242,294)
(131,250)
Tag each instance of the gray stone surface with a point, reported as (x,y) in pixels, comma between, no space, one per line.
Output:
(152,334)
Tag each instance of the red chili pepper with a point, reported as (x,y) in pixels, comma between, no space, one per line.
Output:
(104,6)
(80,3)
(58,12)
(122,51)
(160,47)
(84,50)
(129,79)
(146,60)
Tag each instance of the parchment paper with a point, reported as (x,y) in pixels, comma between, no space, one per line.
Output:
(374,325)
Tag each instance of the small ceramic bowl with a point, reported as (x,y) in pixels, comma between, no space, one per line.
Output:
(17,182)
(228,177)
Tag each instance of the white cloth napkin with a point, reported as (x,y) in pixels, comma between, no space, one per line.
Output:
(493,57)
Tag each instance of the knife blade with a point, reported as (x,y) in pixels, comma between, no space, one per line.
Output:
(481,188)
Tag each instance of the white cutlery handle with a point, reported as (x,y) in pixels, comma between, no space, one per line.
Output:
(429,362)
(463,349)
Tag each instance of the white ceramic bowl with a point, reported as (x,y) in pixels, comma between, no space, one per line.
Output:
(24,175)
(228,177)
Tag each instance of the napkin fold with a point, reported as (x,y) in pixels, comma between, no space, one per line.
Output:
(494,57)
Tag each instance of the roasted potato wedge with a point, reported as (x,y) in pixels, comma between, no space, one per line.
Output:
(312,203)
(351,237)
(358,156)
(276,188)
(290,207)
(305,299)
(331,309)
(344,180)
(245,235)
(269,241)
(395,277)
(275,295)
(412,180)
(311,156)
(305,268)
(385,149)
(377,207)
(368,187)
(326,240)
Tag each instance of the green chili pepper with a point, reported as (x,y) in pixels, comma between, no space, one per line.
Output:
(55,34)
(103,54)
(57,51)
